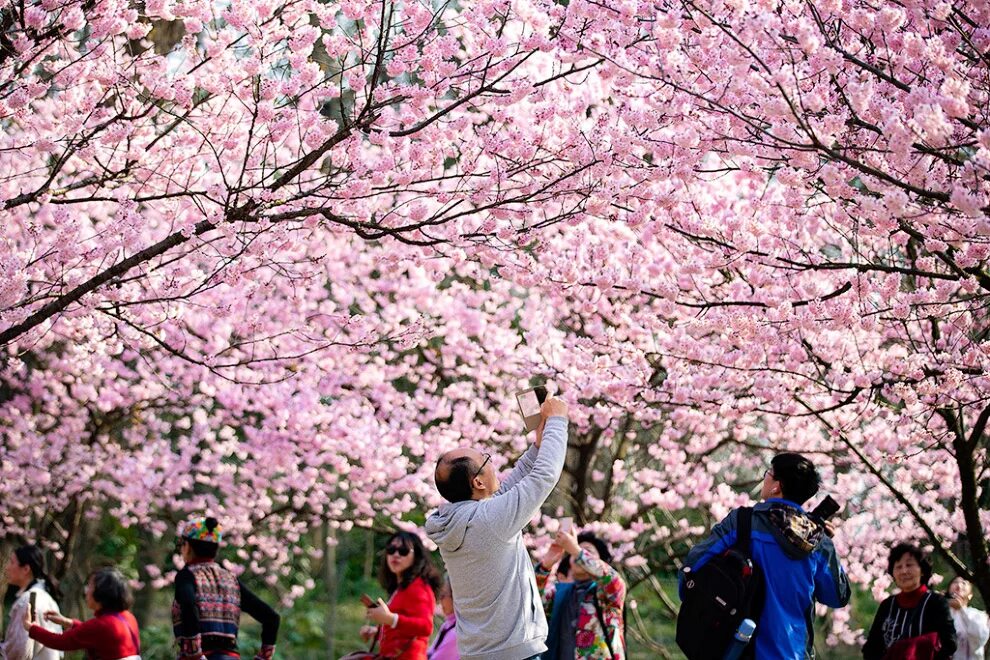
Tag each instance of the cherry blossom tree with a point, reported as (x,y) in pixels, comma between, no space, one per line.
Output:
(160,163)
(219,223)
(272,260)
(808,269)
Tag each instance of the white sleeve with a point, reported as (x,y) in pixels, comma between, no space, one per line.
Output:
(17,645)
(977,626)
(47,604)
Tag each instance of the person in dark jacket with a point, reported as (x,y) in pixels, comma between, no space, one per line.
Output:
(794,551)
(209,600)
(914,613)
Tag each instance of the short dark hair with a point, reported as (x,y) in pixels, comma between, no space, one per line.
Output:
(203,549)
(422,566)
(457,486)
(901,549)
(603,552)
(799,479)
(110,590)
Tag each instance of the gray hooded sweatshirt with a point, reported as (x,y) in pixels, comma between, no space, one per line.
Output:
(498,608)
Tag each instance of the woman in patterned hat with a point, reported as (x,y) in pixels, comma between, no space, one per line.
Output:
(209,600)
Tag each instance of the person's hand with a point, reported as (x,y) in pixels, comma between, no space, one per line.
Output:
(539,431)
(368,633)
(28,621)
(266,652)
(829,528)
(554,554)
(955,602)
(379,614)
(567,540)
(553,407)
(58,619)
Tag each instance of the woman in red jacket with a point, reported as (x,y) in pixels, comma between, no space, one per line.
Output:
(406,621)
(112,633)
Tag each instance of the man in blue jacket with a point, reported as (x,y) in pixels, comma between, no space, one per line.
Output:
(795,553)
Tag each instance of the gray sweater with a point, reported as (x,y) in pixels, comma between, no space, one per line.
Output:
(499,613)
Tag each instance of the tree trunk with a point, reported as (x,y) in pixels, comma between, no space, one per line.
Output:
(585,463)
(73,570)
(150,552)
(369,555)
(969,502)
(6,547)
(330,580)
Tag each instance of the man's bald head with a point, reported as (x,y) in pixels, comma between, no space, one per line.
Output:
(454,473)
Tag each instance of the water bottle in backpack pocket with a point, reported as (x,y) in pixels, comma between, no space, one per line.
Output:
(718,596)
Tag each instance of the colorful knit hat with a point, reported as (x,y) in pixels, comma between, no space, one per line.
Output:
(207,530)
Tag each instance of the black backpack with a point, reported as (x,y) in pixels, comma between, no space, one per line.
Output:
(728,588)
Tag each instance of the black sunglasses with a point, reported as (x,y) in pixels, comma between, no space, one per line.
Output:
(488,457)
(401,549)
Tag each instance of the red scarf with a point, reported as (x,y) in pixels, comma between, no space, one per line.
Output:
(910,599)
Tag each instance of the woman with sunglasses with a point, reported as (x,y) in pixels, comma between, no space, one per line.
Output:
(405,623)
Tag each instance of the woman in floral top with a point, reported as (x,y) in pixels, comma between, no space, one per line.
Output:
(579,629)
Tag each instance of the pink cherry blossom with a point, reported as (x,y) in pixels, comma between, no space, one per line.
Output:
(271,264)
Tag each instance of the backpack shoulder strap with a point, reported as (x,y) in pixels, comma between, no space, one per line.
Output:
(744,529)
(134,638)
(601,620)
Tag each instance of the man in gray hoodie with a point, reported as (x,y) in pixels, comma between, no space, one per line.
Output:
(498,608)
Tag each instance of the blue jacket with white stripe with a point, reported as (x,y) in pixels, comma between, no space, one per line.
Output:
(800,566)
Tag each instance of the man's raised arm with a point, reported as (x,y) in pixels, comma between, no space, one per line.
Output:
(518,503)
(525,462)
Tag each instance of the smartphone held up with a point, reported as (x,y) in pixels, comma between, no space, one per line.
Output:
(529,405)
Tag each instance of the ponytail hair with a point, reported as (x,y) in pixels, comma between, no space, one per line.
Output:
(32,557)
